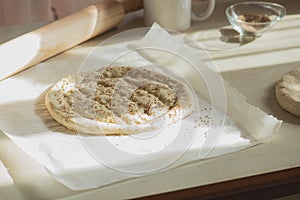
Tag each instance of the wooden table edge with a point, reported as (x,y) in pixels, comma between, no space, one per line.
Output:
(267,186)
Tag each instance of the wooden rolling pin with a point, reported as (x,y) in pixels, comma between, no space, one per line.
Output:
(31,48)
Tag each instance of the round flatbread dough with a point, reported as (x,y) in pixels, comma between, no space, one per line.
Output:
(118,100)
(288,92)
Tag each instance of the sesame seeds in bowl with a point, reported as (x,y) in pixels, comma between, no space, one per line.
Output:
(254,18)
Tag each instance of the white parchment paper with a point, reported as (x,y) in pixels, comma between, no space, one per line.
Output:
(81,162)
(5,178)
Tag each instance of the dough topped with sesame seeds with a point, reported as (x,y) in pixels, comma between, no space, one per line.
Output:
(118,100)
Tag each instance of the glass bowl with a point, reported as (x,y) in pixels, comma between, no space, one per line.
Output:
(255,17)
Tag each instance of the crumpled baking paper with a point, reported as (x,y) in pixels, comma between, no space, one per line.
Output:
(218,126)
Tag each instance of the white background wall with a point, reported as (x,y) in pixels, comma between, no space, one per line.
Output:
(19,12)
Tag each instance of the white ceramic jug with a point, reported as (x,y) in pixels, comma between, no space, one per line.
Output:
(174,14)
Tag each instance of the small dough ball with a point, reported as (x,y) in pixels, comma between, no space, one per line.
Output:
(288,92)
